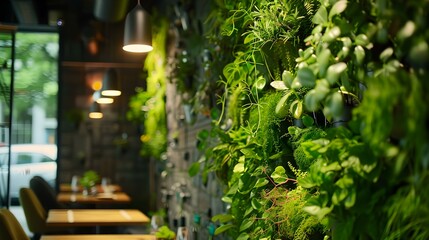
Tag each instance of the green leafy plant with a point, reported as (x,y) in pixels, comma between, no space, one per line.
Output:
(247,142)
(300,135)
(164,232)
(379,157)
(89,179)
(147,107)
(368,55)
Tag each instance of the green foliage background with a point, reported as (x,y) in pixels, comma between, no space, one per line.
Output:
(321,130)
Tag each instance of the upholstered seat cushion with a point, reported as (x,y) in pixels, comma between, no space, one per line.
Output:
(10,229)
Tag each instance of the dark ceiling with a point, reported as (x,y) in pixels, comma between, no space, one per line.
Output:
(83,23)
(44,12)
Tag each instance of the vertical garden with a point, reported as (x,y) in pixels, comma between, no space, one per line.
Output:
(320,125)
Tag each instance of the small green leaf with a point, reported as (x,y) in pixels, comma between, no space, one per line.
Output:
(318,211)
(334,72)
(261,182)
(296,109)
(317,29)
(306,182)
(279,85)
(347,42)
(323,61)
(238,168)
(351,198)
(249,38)
(247,223)
(222,218)
(223,228)
(338,8)
(243,236)
(332,34)
(362,40)
(245,184)
(260,83)
(301,53)
(335,166)
(296,84)
(226,199)
(249,153)
(321,16)
(339,195)
(306,77)
(343,53)
(359,54)
(279,175)
(334,106)
(256,204)
(386,54)
(194,169)
(248,211)
(281,107)
(407,30)
(276,155)
(307,121)
(308,52)
(287,78)
(313,98)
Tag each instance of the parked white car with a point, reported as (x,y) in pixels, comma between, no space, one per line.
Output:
(27,161)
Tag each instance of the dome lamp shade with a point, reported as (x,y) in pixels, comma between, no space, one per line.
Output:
(95,111)
(137,32)
(100,99)
(110,86)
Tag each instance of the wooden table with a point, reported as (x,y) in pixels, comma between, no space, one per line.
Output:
(95,217)
(99,237)
(66,187)
(101,198)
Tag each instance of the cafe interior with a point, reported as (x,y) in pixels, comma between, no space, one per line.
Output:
(223,119)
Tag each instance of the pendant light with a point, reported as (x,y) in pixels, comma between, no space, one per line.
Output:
(95,111)
(100,99)
(110,86)
(138,32)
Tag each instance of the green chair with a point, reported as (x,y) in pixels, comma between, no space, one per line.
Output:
(10,229)
(35,214)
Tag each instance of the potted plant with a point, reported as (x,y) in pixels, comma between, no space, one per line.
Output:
(88,181)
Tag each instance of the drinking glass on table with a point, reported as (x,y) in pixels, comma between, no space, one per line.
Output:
(75,183)
(105,185)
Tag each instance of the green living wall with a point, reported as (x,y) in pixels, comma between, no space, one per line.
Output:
(322,124)
(320,117)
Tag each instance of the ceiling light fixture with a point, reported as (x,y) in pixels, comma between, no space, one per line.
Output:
(95,111)
(138,32)
(100,99)
(110,86)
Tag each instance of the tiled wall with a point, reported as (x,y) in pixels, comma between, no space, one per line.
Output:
(182,195)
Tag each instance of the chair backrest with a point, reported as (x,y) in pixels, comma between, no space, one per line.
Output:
(34,212)
(10,229)
(45,193)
